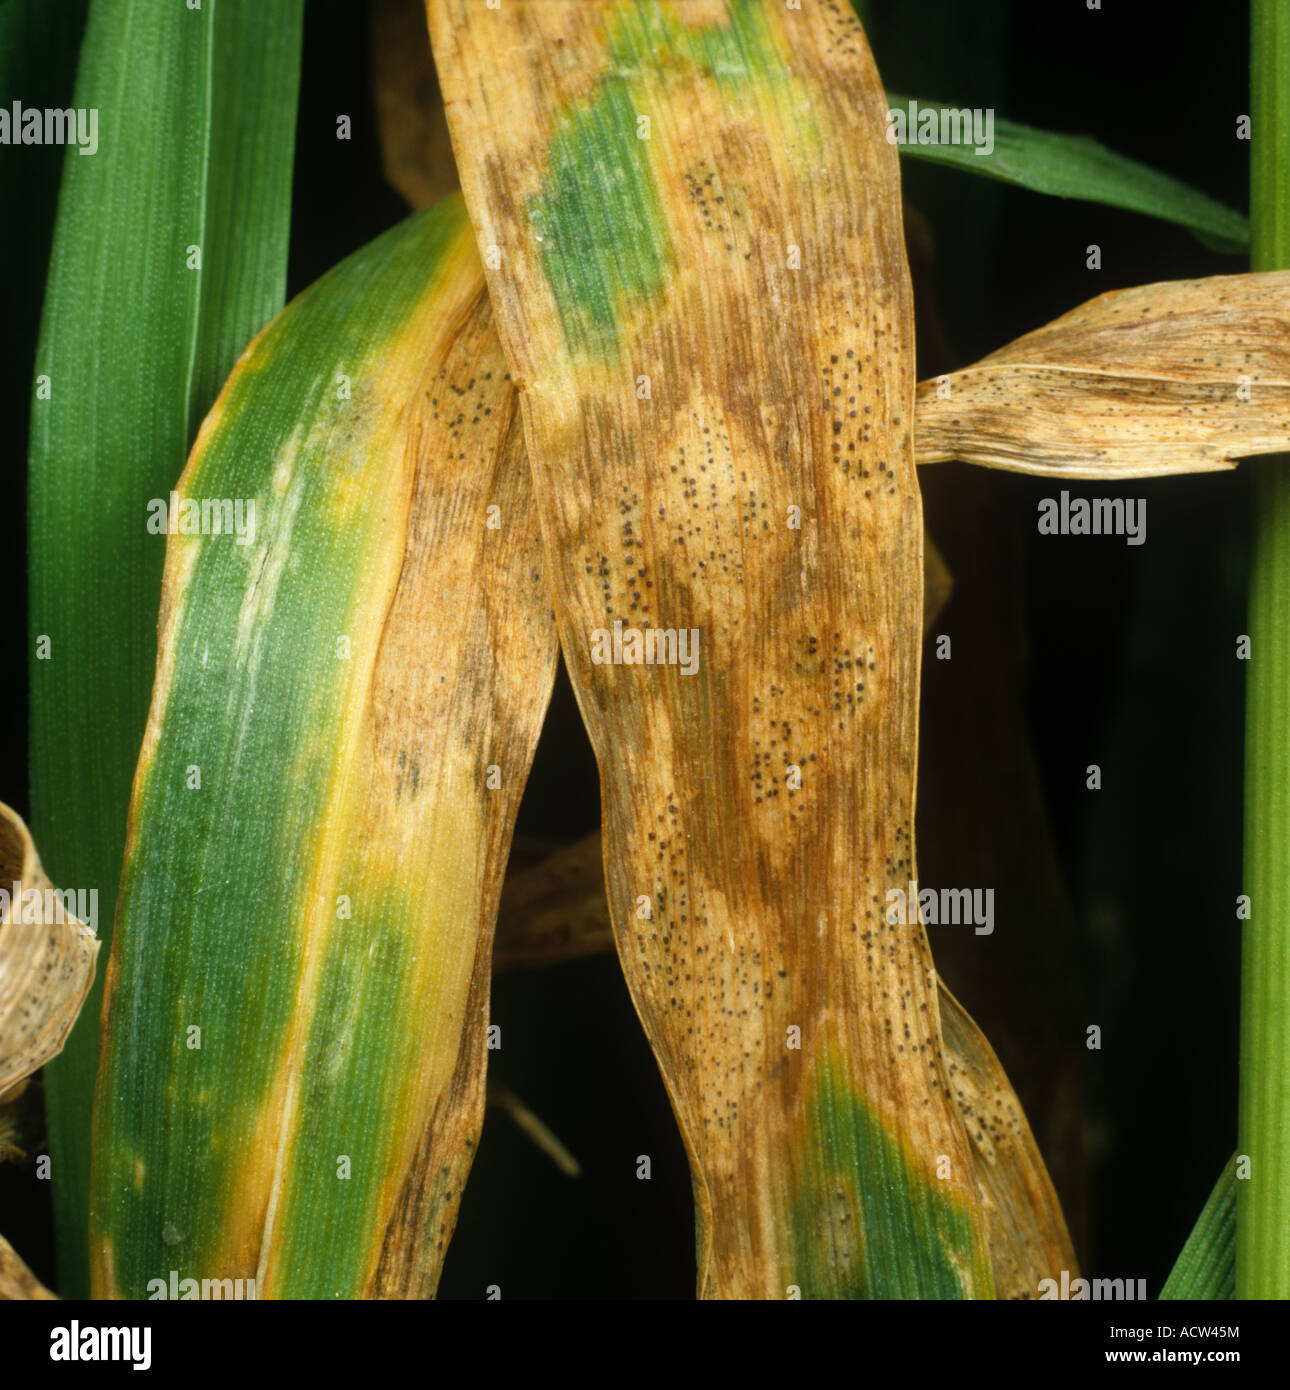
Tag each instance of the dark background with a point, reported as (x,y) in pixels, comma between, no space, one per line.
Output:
(1128,653)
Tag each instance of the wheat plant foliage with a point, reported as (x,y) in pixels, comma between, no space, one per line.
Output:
(699,278)
(169,252)
(343,718)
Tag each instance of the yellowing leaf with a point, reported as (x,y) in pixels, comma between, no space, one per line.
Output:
(345,710)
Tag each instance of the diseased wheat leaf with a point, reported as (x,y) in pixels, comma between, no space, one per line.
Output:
(343,719)
(1025,1227)
(556,910)
(692,220)
(1180,377)
(169,253)
(417,163)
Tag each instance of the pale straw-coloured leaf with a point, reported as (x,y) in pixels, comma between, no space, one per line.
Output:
(1185,376)
(17,1282)
(47,957)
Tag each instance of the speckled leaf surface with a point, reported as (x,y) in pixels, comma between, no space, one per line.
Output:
(343,719)
(1179,377)
(691,222)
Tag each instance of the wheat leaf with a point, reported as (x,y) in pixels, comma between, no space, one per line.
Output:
(196,116)
(708,335)
(1206,1268)
(1077,166)
(1180,377)
(344,714)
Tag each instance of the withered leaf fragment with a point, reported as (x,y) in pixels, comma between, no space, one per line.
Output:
(47,958)
(17,1282)
(1185,376)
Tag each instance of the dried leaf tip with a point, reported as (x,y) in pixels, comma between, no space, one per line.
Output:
(47,957)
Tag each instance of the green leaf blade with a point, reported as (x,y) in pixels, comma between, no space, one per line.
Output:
(1206,1268)
(131,339)
(1077,166)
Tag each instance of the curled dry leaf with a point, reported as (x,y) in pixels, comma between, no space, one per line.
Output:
(47,958)
(555,910)
(17,1282)
(1179,377)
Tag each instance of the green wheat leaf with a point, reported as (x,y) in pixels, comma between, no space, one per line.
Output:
(1207,1266)
(1076,166)
(169,252)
